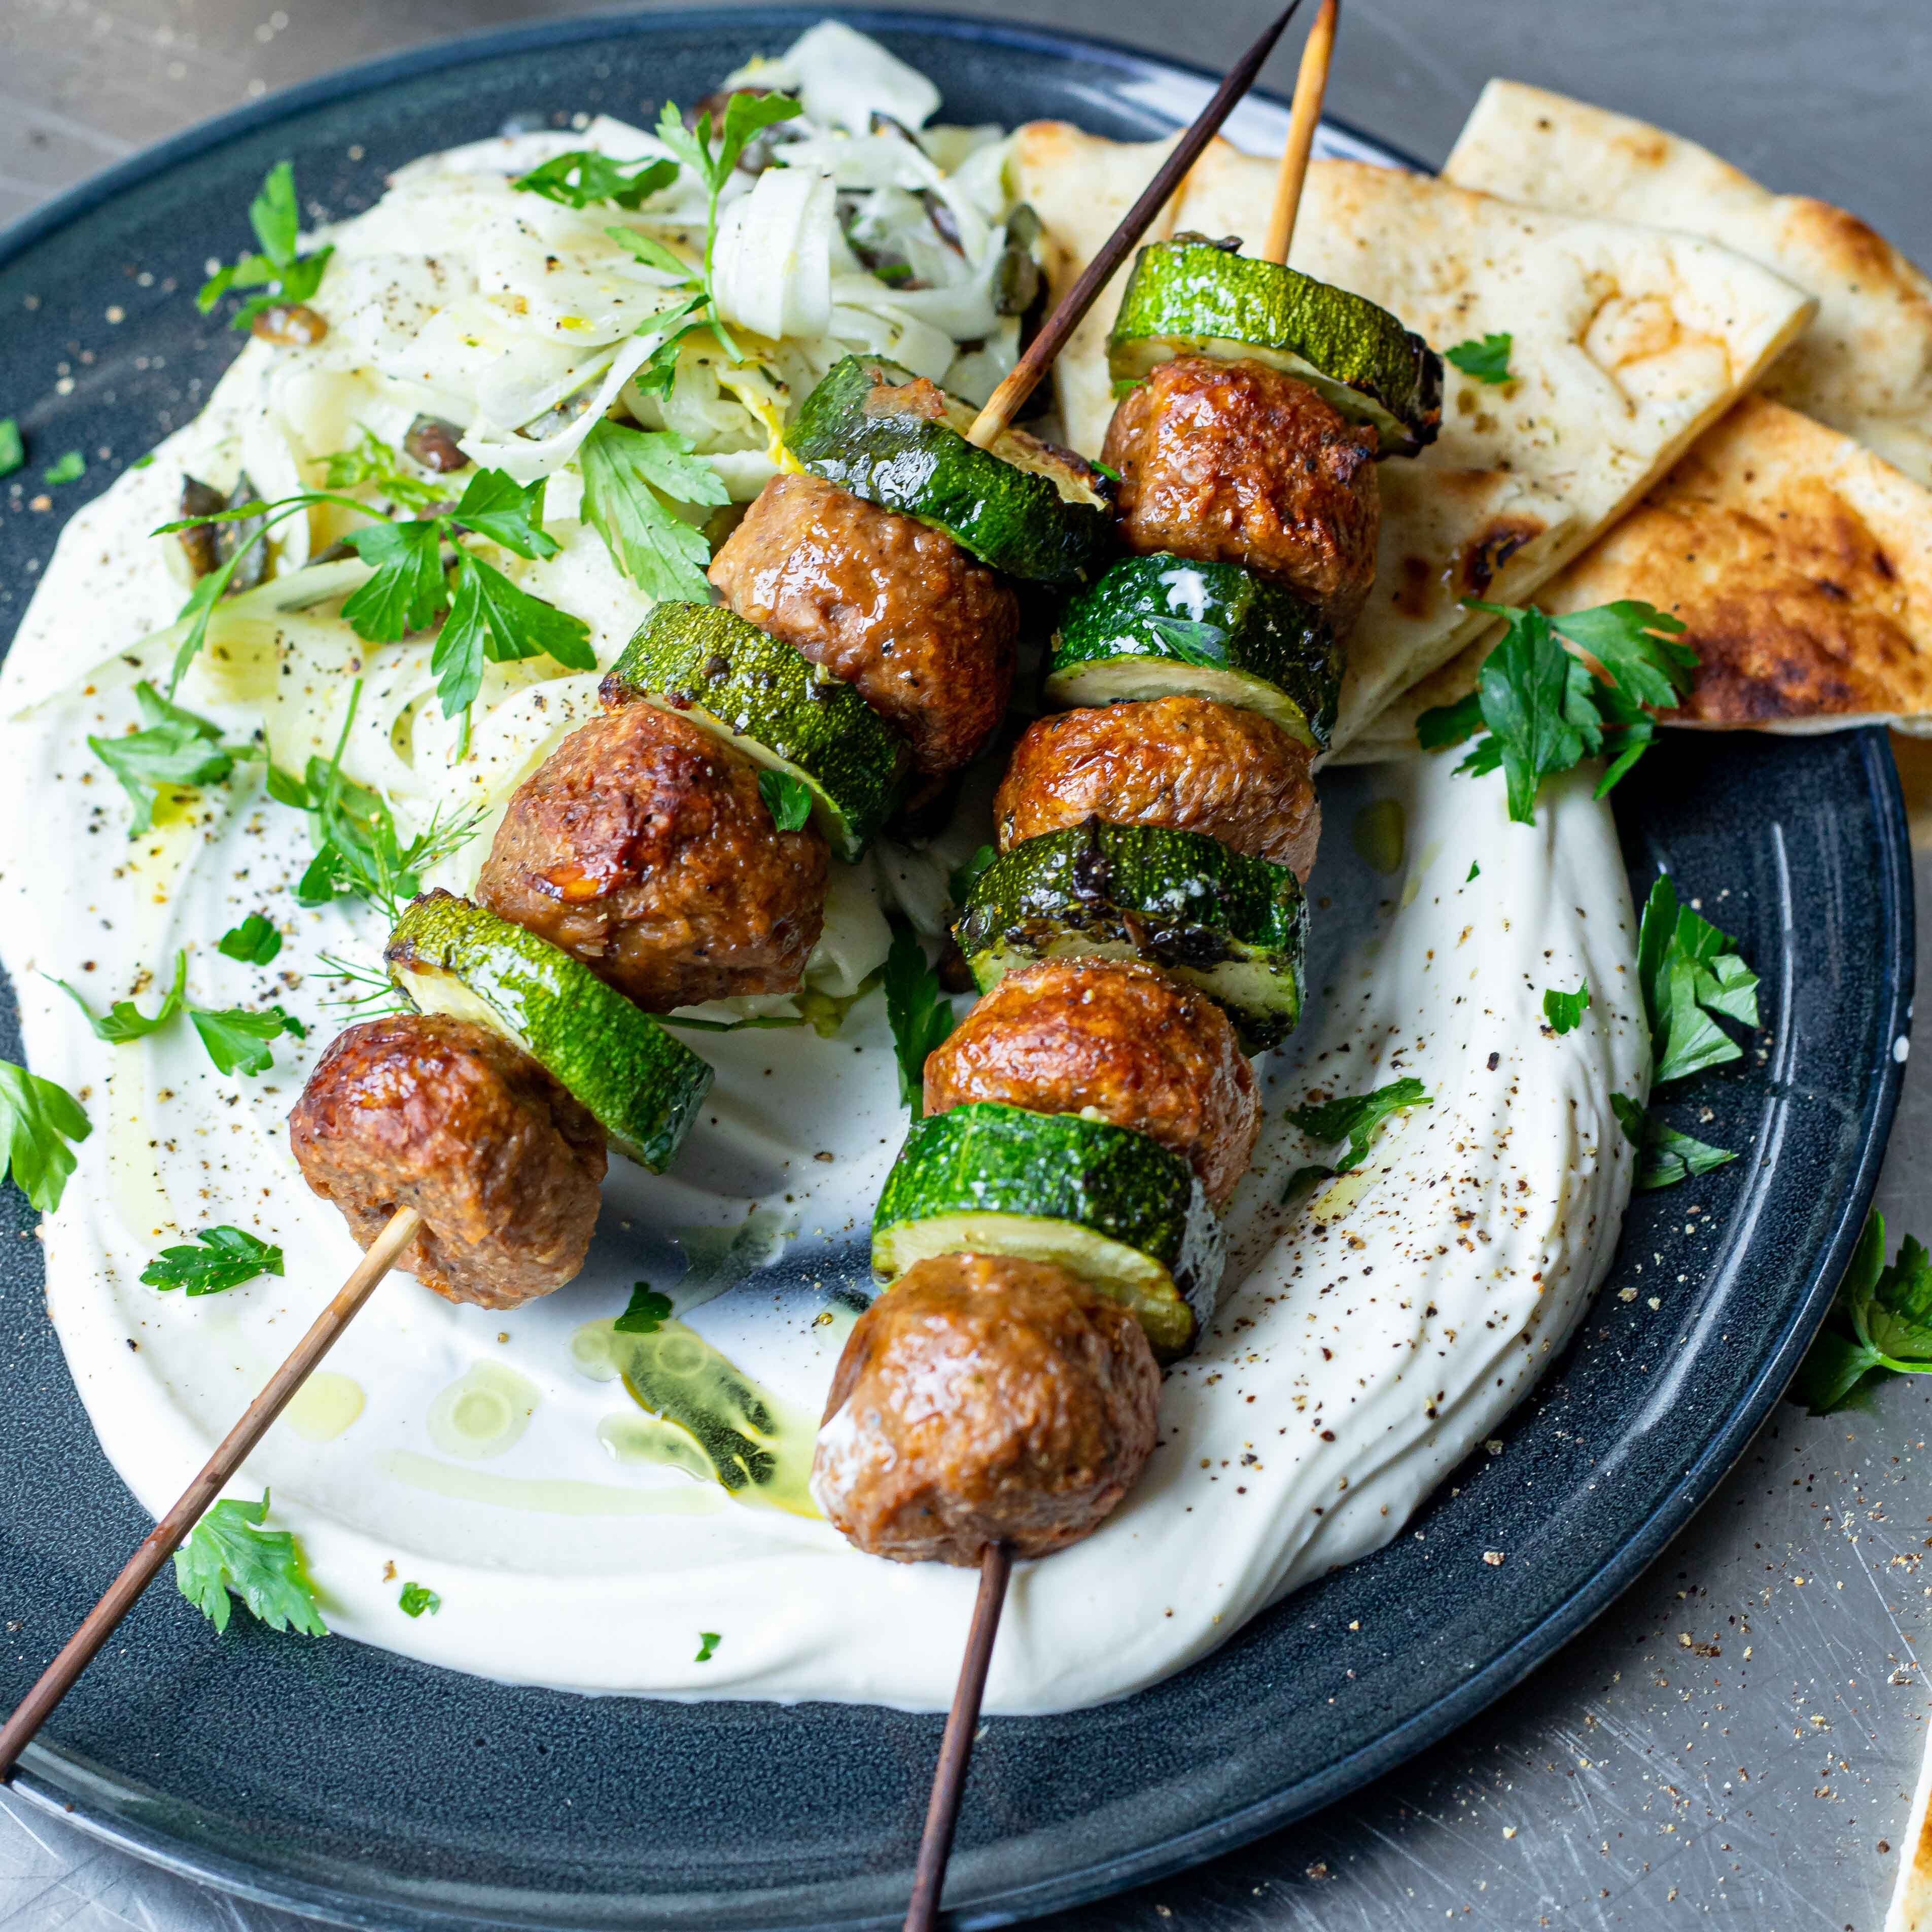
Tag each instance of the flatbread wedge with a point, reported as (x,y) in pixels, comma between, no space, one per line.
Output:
(1625,344)
(1801,562)
(1864,365)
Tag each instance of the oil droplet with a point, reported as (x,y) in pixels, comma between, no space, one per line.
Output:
(324,1406)
(484,1413)
(539,1497)
(708,1417)
(1379,834)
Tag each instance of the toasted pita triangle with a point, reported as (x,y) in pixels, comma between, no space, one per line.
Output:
(1627,344)
(1801,563)
(1864,365)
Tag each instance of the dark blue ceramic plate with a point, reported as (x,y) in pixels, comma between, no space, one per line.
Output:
(371,1790)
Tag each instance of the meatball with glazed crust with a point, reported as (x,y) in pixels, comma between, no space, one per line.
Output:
(982,1399)
(1114,1039)
(923,631)
(1190,762)
(643,847)
(1236,463)
(418,1110)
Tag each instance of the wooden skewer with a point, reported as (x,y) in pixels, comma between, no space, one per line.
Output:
(1311,83)
(955,1750)
(1006,401)
(167,1534)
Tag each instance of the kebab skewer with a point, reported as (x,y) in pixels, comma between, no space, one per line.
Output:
(465,1141)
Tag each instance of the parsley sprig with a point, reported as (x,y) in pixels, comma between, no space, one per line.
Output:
(583,176)
(230,1550)
(920,1013)
(41,1123)
(286,276)
(237,1038)
(1880,1326)
(227,1257)
(1357,1119)
(745,116)
(1563,1012)
(358,852)
(628,474)
(1691,975)
(1487,361)
(174,746)
(1540,708)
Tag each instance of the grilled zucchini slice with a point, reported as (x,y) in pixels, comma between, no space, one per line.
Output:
(774,705)
(1232,927)
(1118,1209)
(1153,626)
(1191,296)
(643,1087)
(1024,507)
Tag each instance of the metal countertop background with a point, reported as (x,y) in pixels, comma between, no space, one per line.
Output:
(1735,1744)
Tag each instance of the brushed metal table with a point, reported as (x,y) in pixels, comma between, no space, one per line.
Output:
(1735,1742)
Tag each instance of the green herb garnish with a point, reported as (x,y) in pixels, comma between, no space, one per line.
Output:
(1357,1119)
(787,798)
(230,1550)
(373,464)
(174,746)
(227,1258)
(237,1040)
(920,1013)
(255,942)
(1664,1155)
(38,1120)
(68,469)
(628,475)
(583,177)
(12,448)
(1880,1325)
(1475,871)
(416,1598)
(1487,361)
(646,1312)
(1541,709)
(124,1020)
(276,218)
(708,1642)
(1565,1011)
(1688,970)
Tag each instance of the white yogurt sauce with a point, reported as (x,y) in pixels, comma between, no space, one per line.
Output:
(1365,1340)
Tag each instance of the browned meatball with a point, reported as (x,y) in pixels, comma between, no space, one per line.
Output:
(1115,1039)
(1190,762)
(894,607)
(642,847)
(1235,462)
(415,1110)
(981,1400)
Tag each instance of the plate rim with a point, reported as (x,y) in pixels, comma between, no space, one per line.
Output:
(1895,972)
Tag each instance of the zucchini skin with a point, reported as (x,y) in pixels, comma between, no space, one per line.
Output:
(705,661)
(1128,636)
(1012,519)
(644,1087)
(1233,927)
(985,1159)
(1192,296)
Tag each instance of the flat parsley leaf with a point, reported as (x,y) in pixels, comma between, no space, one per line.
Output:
(416,1598)
(920,1013)
(237,1040)
(708,1642)
(646,1312)
(68,469)
(495,504)
(491,620)
(227,1258)
(1688,970)
(230,1550)
(37,1121)
(1565,1011)
(1665,1157)
(1196,643)
(255,942)
(276,218)
(1880,1325)
(1542,708)
(628,474)
(1356,1119)
(1487,361)
(787,798)
(408,588)
(124,1021)
(173,747)
(583,176)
